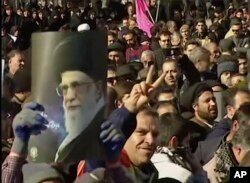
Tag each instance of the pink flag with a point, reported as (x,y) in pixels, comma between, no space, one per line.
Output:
(141,15)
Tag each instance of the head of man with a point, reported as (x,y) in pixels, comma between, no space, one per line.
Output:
(125,22)
(115,53)
(73,88)
(132,23)
(225,69)
(201,26)
(15,61)
(111,76)
(185,32)
(200,100)
(238,80)
(236,28)
(8,10)
(176,39)
(142,143)
(172,70)
(174,131)
(166,107)
(130,9)
(147,58)
(226,46)
(233,98)
(239,13)
(214,50)
(205,106)
(51,173)
(111,38)
(241,137)
(130,38)
(165,94)
(165,39)
(241,145)
(81,83)
(189,46)
(171,25)
(123,89)
(242,59)
(201,58)
(153,2)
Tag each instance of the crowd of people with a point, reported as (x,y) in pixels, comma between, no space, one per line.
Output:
(178,100)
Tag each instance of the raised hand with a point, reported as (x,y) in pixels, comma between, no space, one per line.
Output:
(112,140)
(28,122)
(139,95)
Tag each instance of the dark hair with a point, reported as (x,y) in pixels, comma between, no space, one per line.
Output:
(146,110)
(130,32)
(193,42)
(200,20)
(172,125)
(228,96)
(164,33)
(12,53)
(122,88)
(241,55)
(239,10)
(242,115)
(161,90)
(156,28)
(165,105)
(110,33)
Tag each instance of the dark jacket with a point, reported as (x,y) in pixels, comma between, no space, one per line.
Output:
(242,43)
(198,133)
(159,58)
(147,174)
(220,128)
(206,149)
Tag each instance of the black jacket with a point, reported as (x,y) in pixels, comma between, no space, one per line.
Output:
(206,149)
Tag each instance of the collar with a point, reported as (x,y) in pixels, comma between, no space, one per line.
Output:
(201,123)
(14,38)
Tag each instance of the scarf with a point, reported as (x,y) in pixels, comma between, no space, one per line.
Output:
(224,160)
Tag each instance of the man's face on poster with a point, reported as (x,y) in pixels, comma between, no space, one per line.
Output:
(80,94)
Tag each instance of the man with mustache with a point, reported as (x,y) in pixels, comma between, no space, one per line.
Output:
(200,100)
(141,145)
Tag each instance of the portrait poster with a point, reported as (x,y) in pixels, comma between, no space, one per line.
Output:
(75,64)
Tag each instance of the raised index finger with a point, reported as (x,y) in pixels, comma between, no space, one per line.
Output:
(159,80)
(150,75)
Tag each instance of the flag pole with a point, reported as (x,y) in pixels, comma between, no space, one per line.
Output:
(157,12)
(150,15)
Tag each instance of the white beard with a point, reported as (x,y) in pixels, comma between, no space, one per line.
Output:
(75,119)
(79,119)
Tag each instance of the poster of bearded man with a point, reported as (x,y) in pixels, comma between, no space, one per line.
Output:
(69,80)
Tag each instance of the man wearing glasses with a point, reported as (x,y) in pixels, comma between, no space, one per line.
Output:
(242,43)
(81,88)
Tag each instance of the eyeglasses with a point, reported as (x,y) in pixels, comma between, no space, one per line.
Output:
(235,30)
(62,90)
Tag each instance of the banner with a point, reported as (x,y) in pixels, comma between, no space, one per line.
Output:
(69,80)
(141,15)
